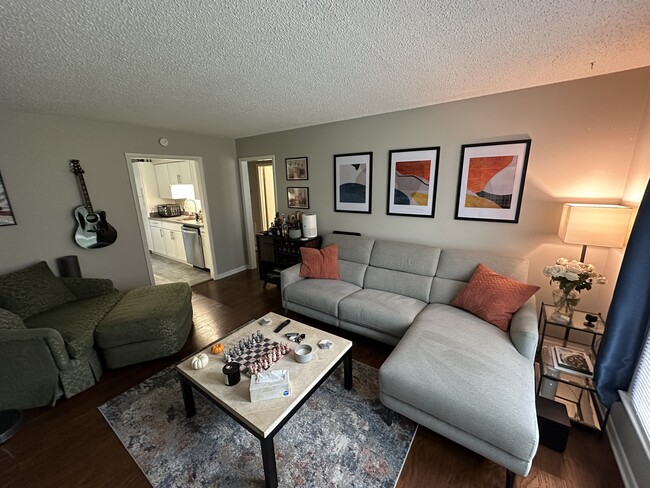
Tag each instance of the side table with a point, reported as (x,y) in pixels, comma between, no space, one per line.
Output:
(575,390)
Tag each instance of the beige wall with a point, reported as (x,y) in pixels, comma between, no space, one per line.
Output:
(584,135)
(34,163)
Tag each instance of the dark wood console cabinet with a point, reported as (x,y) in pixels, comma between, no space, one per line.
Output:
(277,253)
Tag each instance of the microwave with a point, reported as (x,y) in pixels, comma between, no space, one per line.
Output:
(169,210)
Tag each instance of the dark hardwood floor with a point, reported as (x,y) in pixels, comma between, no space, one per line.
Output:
(71,445)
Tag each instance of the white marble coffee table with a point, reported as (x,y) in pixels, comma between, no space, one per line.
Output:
(265,418)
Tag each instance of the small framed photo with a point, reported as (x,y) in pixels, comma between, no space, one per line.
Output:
(298,197)
(491,181)
(412,179)
(6,213)
(297,168)
(352,182)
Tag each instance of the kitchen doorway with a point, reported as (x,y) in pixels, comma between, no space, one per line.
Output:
(171,203)
(259,195)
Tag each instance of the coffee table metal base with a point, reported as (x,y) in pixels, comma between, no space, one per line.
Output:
(268,450)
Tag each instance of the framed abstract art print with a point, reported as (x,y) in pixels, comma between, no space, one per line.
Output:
(491,181)
(412,178)
(352,182)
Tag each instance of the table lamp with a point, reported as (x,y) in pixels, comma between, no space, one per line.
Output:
(594,225)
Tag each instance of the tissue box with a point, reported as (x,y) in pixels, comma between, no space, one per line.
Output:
(269,385)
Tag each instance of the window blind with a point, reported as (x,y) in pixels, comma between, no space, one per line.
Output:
(640,389)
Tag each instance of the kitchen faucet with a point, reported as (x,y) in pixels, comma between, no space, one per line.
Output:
(196,213)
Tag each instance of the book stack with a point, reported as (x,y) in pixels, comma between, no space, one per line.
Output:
(572,361)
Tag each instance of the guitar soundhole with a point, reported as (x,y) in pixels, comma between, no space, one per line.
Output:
(92,218)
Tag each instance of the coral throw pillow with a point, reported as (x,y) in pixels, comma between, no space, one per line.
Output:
(320,263)
(493,297)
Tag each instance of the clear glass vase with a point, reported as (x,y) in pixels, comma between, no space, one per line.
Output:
(565,303)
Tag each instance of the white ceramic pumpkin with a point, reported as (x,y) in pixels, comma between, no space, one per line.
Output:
(200,361)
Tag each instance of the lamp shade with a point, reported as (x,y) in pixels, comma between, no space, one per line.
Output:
(594,224)
(182,192)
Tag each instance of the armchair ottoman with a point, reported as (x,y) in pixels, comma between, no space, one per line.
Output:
(150,322)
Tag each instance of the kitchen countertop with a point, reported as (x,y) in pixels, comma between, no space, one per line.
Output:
(185,220)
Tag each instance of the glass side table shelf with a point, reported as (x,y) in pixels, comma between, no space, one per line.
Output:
(574,389)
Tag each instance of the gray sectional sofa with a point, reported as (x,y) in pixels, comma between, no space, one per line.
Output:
(450,370)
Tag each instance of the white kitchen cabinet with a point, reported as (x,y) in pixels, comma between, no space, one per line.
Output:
(157,237)
(162,179)
(173,237)
(168,174)
(179,173)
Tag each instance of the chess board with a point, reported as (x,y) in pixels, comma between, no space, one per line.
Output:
(256,353)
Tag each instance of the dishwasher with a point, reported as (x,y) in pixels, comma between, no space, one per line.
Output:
(193,246)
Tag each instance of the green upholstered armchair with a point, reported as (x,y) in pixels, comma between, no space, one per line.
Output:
(47,327)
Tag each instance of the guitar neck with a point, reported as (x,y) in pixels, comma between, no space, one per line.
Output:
(84,194)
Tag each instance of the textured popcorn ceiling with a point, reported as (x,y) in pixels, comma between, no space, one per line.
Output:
(247,67)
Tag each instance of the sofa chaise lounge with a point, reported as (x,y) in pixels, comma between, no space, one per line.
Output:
(450,371)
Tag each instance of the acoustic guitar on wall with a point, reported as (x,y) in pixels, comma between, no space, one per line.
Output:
(93,230)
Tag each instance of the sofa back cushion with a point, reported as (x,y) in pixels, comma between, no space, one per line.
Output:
(457,266)
(405,269)
(32,290)
(354,256)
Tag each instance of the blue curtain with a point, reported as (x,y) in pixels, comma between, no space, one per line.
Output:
(628,319)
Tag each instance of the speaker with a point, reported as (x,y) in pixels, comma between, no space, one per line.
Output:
(68,267)
(309,225)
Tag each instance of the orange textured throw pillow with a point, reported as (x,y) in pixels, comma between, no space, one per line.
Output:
(320,263)
(493,297)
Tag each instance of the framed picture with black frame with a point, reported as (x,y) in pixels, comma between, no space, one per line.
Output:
(491,181)
(353,182)
(412,181)
(6,213)
(298,197)
(297,168)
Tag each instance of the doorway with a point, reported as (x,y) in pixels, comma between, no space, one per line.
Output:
(260,198)
(172,208)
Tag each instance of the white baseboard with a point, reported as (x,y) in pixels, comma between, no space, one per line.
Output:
(619,453)
(225,274)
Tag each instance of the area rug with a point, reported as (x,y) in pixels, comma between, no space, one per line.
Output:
(337,438)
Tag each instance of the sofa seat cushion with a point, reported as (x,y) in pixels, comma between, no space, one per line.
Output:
(76,321)
(457,368)
(381,310)
(321,295)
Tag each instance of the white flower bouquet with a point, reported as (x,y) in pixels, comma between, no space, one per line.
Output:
(573,275)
